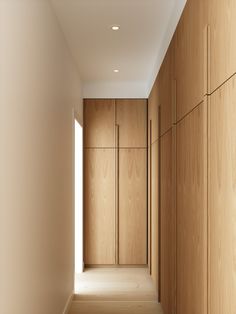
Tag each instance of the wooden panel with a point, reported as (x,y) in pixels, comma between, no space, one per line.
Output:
(133,206)
(153,103)
(222,20)
(149,210)
(222,200)
(168,226)
(189,57)
(192,212)
(115,307)
(166,85)
(114,284)
(131,117)
(154,214)
(99,123)
(99,206)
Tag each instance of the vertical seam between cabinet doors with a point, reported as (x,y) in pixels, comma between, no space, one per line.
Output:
(150,194)
(159,204)
(116,189)
(174,205)
(208,218)
(115,220)
(118,194)
(206,70)
(84,166)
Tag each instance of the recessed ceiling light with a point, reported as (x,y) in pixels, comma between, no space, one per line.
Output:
(115,27)
(116,71)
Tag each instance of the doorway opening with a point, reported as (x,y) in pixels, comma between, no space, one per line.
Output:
(78,136)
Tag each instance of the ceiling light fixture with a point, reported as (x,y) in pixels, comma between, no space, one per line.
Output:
(116,71)
(115,27)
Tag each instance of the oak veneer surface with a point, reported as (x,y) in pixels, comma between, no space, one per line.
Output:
(149,210)
(168,227)
(116,307)
(153,103)
(133,206)
(166,86)
(99,206)
(131,116)
(190,57)
(115,291)
(192,212)
(99,123)
(115,284)
(222,200)
(155,214)
(222,21)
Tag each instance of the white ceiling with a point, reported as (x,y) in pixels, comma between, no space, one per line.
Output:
(137,49)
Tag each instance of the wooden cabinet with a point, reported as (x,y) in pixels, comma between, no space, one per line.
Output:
(153,114)
(99,123)
(167,90)
(192,212)
(115,181)
(154,211)
(168,224)
(131,116)
(99,205)
(190,57)
(132,206)
(222,199)
(222,21)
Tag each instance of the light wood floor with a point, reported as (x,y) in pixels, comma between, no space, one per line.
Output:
(115,291)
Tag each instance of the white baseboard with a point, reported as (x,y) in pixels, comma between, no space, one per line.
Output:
(68,304)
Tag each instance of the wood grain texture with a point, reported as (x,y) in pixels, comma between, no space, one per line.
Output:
(153,103)
(222,200)
(133,206)
(115,284)
(192,212)
(131,116)
(189,57)
(149,211)
(115,307)
(155,214)
(168,226)
(99,123)
(166,82)
(222,21)
(99,206)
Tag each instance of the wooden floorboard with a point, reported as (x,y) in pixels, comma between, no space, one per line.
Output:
(115,284)
(115,291)
(115,307)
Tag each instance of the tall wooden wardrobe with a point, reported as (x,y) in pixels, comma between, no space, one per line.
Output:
(115,182)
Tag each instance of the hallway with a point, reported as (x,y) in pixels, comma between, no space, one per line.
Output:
(115,290)
(118,156)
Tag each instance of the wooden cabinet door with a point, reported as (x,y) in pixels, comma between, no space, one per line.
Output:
(149,210)
(154,214)
(222,199)
(192,212)
(190,57)
(99,123)
(99,206)
(153,104)
(167,89)
(222,21)
(131,116)
(132,206)
(168,224)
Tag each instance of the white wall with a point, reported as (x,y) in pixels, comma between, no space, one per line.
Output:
(39,87)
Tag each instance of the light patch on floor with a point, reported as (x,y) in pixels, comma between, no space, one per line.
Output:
(115,291)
